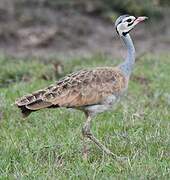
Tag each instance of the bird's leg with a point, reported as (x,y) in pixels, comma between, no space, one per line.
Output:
(85,148)
(87,133)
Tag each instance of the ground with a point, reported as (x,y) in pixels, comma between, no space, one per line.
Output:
(48,144)
(66,33)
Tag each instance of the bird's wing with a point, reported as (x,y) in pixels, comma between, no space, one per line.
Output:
(86,87)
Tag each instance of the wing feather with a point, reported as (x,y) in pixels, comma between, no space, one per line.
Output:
(85,87)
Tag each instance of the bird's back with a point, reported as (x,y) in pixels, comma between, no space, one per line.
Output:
(76,90)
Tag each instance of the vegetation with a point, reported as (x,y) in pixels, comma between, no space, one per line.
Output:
(137,7)
(47,145)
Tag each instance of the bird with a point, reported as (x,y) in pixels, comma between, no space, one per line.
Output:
(92,90)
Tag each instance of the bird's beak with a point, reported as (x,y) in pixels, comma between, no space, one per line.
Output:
(140,19)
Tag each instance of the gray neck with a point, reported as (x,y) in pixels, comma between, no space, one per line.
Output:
(127,65)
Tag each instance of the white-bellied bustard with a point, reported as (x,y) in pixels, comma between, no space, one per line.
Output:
(93,90)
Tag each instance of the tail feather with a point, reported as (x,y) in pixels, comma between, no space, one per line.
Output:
(30,98)
(32,102)
(25,112)
(38,104)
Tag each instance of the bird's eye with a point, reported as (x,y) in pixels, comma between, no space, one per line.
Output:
(129,20)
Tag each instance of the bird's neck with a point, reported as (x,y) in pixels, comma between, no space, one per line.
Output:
(127,65)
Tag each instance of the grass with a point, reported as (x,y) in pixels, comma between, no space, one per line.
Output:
(47,145)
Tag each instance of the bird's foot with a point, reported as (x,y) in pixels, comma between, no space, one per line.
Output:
(85,156)
(119,158)
(85,153)
(108,152)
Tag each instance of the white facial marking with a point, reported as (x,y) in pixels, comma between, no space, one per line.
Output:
(126,26)
(129,17)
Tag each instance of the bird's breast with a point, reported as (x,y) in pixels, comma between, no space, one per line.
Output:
(110,100)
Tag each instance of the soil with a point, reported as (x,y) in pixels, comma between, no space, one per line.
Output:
(67,34)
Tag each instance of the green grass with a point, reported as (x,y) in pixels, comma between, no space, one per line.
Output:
(47,145)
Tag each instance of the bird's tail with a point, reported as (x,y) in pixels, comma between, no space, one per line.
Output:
(32,102)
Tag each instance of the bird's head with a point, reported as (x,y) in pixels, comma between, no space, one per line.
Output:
(124,24)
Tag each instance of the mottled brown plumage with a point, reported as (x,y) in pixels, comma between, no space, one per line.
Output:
(85,87)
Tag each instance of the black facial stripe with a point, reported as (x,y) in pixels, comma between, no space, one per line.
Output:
(124,33)
(117,31)
(119,22)
(130,23)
